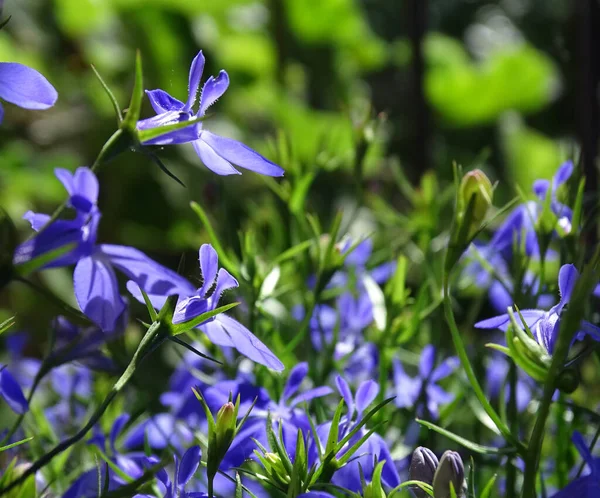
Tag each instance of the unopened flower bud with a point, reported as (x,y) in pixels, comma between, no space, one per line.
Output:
(477,189)
(450,470)
(423,465)
(221,438)
(225,423)
(568,380)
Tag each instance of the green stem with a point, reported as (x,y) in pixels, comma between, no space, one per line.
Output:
(146,344)
(536,440)
(466,364)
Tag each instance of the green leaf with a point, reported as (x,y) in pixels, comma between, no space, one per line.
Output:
(151,310)
(180,328)
(32,265)
(293,251)
(12,445)
(6,324)
(135,104)
(111,96)
(151,133)
(470,445)
(227,263)
(332,438)
(489,487)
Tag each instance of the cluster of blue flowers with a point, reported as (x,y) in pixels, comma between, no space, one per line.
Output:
(319,428)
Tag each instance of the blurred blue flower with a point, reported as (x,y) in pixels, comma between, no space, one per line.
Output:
(219,154)
(11,392)
(496,375)
(94,279)
(409,390)
(586,486)
(185,468)
(544,325)
(222,330)
(25,87)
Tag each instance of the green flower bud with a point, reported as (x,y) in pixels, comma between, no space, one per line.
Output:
(475,185)
(221,437)
(450,470)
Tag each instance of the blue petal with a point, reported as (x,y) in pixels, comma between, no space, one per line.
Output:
(225,282)
(209,264)
(531,317)
(196,70)
(97,291)
(563,174)
(1,113)
(365,395)
(59,233)
(212,160)
(82,187)
(116,429)
(212,91)
(426,361)
(444,369)
(39,220)
(241,155)
(25,87)
(540,188)
(12,393)
(306,396)
(567,277)
(162,102)
(241,339)
(158,301)
(359,256)
(181,136)
(297,375)
(188,308)
(346,393)
(188,466)
(147,273)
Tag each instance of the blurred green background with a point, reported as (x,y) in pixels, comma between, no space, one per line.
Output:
(316,85)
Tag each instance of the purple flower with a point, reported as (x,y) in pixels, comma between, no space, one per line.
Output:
(94,279)
(408,390)
(497,373)
(545,325)
(12,392)
(221,329)
(219,154)
(25,87)
(586,486)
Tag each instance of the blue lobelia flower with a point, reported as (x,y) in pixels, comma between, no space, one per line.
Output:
(408,389)
(219,154)
(25,87)
(587,486)
(544,325)
(11,392)
(222,330)
(94,279)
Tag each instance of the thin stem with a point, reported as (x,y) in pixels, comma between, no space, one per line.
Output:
(532,459)
(145,345)
(466,364)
